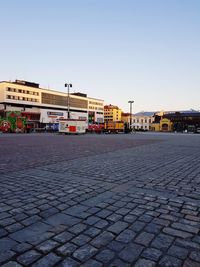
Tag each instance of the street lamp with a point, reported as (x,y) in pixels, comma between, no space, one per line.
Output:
(68,85)
(130,102)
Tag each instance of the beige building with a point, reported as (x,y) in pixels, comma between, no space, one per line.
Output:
(50,104)
(142,120)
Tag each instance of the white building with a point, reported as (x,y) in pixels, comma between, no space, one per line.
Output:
(49,105)
(142,120)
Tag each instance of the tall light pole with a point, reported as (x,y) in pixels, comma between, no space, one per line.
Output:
(131,103)
(68,85)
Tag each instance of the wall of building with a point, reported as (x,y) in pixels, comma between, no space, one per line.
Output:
(142,122)
(2,92)
(112,113)
(19,97)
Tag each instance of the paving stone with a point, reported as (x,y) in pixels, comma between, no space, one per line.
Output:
(63,237)
(102,240)
(92,231)
(153,228)
(31,233)
(144,238)
(3,232)
(144,263)
(131,252)
(145,218)
(81,240)
(11,264)
(152,254)
(118,263)
(187,244)
(114,217)
(162,242)
(66,249)
(62,219)
(29,257)
(130,218)
(69,263)
(118,227)
(92,263)
(78,228)
(175,232)
(7,244)
(47,261)
(7,221)
(169,261)
(137,226)
(105,256)
(101,224)
(103,213)
(126,236)
(85,252)
(6,255)
(123,211)
(193,218)
(178,252)
(31,220)
(195,255)
(22,247)
(190,263)
(47,246)
(116,246)
(161,221)
(92,220)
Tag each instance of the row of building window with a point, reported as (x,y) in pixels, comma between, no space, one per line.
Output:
(140,127)
(95,108)
(95,103)
(142,121)
(22,98)
(9,89)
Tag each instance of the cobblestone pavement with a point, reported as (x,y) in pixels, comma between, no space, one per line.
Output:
(100,200)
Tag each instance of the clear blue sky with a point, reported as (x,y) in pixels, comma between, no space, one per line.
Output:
(117,50)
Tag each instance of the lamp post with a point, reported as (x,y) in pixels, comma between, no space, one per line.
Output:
(130,102)
(68,85)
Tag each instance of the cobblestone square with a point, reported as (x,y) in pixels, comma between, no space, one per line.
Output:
(100,200)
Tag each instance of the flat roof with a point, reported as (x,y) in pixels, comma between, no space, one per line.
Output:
(51,90)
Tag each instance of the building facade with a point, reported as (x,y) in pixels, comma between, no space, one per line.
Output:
(112,113)
(49,105)
(142,120)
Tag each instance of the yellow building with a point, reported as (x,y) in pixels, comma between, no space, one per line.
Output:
(165,125)
(112,113)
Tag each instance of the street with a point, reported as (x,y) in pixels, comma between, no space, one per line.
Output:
(100,200)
